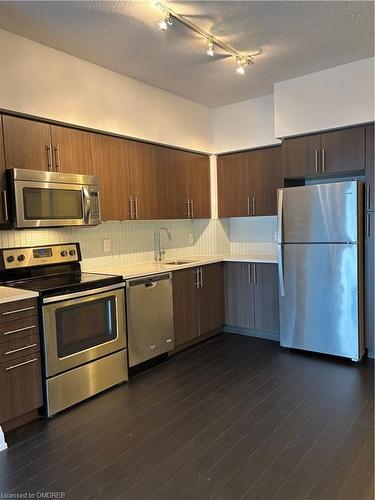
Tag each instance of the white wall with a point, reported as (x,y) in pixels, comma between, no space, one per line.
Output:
(336,97)
(41,81)
(243,125)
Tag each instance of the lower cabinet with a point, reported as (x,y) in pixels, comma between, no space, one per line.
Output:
(369,282)
(198,301)
(20,365)
(252,297)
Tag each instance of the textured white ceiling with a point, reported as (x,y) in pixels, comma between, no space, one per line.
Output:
(294,38)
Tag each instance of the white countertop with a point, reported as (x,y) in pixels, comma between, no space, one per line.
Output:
(8,294)
(148,268)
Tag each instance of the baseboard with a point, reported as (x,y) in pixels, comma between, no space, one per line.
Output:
(251,333)
(371,354)
(196,340)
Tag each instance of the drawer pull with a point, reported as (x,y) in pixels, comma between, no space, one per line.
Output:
(12,351)
(20,330)
(12,367)
(18,310)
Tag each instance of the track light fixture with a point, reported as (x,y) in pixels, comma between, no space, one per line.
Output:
(242,60)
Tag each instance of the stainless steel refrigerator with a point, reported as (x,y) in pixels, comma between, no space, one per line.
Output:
(320,247)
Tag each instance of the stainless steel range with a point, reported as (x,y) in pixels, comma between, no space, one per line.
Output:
(83,318)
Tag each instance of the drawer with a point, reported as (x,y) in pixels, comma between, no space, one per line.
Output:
(13,330)
(20,387)
(13,349)
(18,309)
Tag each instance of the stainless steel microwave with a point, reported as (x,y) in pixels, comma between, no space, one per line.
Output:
(53,199)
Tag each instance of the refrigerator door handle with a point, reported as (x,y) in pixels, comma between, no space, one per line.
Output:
(280,194)
(280,266)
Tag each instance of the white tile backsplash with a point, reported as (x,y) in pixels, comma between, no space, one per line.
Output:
(133,241)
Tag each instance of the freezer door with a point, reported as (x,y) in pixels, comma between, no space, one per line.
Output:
(320,213)
(319,311)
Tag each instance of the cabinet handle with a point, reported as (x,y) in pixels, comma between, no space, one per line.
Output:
(323,160)
(197,283)
(248,205)
(5,202)
(136,207)
(191,209)
(316,162)
(56,150)
(368,198)
(12,367)
(49,157)
(201,277)
(249,273)
(12,351)
(10,332)
(131,207)
(255,278)
(187,203)
(253,205)
(18,310)
(368,225)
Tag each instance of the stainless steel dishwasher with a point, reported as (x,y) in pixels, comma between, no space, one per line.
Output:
(150,317)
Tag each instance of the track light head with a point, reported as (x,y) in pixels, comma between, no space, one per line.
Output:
(210,48)
(241,63)
(166,21)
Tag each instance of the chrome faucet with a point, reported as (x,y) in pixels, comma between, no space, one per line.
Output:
(160,250)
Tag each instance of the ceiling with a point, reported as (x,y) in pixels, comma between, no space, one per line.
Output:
(293,37)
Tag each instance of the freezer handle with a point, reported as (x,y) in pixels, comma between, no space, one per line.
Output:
(280,266)
(280,195)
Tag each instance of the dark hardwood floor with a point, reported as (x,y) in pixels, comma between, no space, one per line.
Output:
(232,418)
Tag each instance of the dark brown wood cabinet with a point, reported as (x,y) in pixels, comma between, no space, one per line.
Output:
(4,218)
(108,163)
(252,297)
(20,365)
(71,150)
(328,153)
(27,144)
(198,302)
(248,181)
(370,282)
(370,182)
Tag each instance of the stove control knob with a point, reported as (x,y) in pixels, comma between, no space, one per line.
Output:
(21,257)
(64,253)
(10,258)
(72,252)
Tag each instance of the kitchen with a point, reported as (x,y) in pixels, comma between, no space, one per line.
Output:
(187,267)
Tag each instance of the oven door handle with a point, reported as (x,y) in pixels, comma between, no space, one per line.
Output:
(74,295)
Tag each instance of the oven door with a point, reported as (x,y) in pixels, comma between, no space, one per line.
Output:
(49,204)
(83,326)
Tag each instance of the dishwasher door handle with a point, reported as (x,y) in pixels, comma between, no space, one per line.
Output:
(150,284)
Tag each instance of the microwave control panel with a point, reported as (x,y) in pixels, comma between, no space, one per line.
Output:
(94,198)
(15,258)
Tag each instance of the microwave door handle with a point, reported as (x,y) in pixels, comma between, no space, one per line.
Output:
(86,204)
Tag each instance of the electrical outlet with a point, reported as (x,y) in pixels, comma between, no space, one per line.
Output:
(106,245)
(191,238)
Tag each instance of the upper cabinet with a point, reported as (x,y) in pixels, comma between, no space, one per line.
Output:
(370,184)
(248,182)
(336,152)
(27,144)
(36,145)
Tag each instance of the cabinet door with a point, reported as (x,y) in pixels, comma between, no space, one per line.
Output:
(108,163)
(20,387)
(265,168)
(343,150)
(198,187)
(185,306)
(239,295)
(3,193)
(266,297)
(71,150)
(211,298)
(300,156)
(370,183)
(143,178)
(369,281)
(233,185)
(27,144)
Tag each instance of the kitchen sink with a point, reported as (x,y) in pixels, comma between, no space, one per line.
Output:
(177,262)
